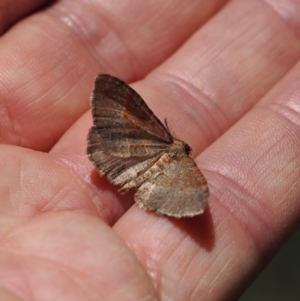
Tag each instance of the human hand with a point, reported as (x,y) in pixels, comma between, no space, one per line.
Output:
(226,81)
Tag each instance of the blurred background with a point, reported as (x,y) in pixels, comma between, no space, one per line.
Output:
(280,281)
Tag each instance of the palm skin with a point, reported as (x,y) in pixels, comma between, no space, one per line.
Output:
(225,75)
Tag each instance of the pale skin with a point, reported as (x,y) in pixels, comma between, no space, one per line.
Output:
(226,79)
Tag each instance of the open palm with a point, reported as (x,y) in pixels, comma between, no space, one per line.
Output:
(225,75)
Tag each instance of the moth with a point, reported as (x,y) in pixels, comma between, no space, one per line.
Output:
(132,148)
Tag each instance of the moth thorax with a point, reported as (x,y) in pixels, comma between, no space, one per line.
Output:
(179,149)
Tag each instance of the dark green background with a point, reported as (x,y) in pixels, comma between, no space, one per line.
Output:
(280,281)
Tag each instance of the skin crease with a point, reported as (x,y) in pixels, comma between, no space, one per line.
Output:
(225,75)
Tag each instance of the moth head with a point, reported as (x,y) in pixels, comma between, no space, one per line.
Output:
(187,148)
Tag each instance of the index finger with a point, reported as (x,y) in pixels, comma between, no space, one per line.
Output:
(46,76)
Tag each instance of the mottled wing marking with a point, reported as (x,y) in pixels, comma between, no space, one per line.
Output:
(178,190)
(157,166)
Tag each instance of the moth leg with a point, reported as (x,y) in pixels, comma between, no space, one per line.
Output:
(153,171)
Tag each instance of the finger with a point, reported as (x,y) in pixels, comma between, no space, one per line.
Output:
(46,77)
(70,256)
(253,174)
(12,11)
(37,182)
(223,70)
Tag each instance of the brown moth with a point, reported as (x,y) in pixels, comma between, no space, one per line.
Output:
(133,149)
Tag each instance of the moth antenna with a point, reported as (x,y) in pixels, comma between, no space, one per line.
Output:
(167,126)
